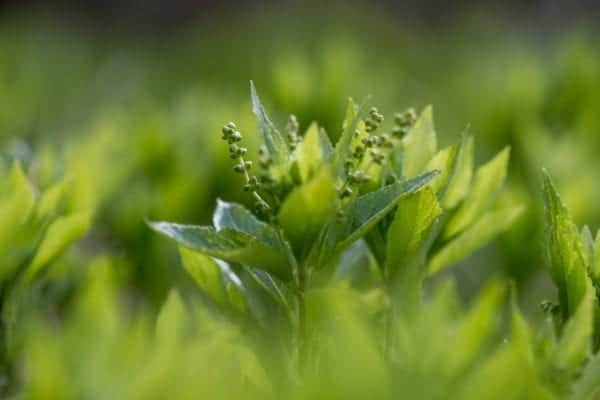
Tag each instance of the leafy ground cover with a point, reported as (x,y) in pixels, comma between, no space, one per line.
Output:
(350,257)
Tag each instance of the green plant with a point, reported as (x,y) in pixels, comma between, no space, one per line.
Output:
(35,229)
(379,211)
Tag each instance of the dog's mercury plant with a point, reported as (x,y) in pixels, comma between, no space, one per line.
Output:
(392,198)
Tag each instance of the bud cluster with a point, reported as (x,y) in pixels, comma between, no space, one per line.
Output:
(232,136)
(376,146)
(404,121)
(292,132)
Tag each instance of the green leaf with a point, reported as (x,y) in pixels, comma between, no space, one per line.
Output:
(274,141)
(171,321)
(276,289)
(420,144)
(476,328)
(588,386)
(236,217)
(310,153)
(50,201)
(485,229)
(595,264)
(214,278)
(342,147)
(575,344)
(588,245)
(367,210)
(460,181)
(307,209)
(564,251)
(228,245)
(60,234)
(488,181)
(357,267)
(326,146)
(444,161)
(17,204)
(407,237)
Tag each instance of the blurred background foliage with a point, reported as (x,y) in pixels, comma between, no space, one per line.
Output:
(128,109)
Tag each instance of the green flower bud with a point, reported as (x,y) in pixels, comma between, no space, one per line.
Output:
(235,137)
(410,115)
(239,168)
(247,165)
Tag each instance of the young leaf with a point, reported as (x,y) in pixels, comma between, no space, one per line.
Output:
(486,228)
(238,218)
(310,153)
(408,234)
(307,209)
(588,386)
(342,148)
(171,321)
(276,289)
(564,251)
(60,234)
(17,204)
(595,264)
(214,278)
(274,141)
(369,209)
(575,344)
(475,329)
(444,161)
(488,181)
(460,181)
(228,245)
(420,144)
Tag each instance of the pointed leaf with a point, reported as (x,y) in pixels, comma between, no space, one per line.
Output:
(236,217)
(564,251)
(444,161)
(309,153)
(227,245)
(307,209)
(460,181)
(171,321)
(214,278)
(273,139)
(595,264)
(420,144)
(575,344)
(60,234)
(276,289)
(407,237)
(367,210)
(488,181)
(485,229)
(342,147)
(476,328)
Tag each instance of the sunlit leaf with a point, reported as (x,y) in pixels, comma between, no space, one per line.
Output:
(420,144)
(564,251)
(485,229)
(488,181)
(60,234)
(274,141)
